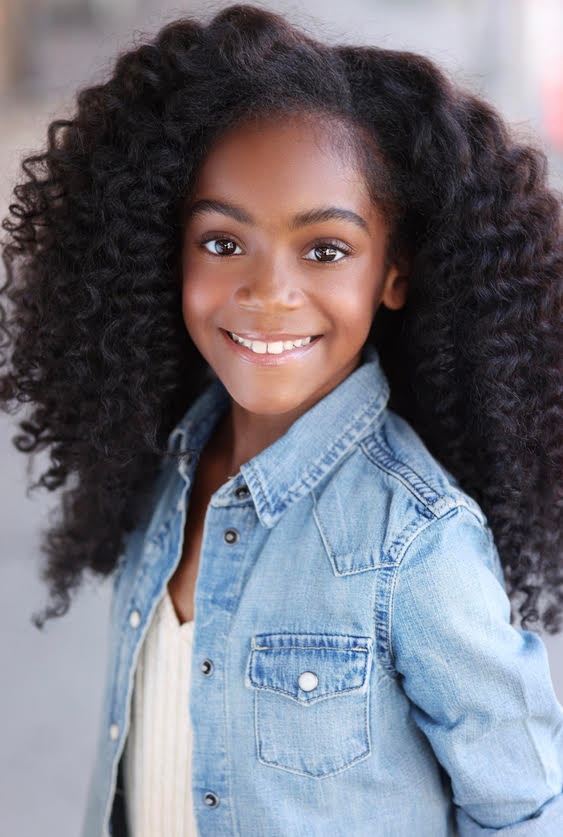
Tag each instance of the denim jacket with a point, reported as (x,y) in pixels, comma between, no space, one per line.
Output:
(354,669)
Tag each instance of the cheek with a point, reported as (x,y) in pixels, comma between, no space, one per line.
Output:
(354,302)
(200,298)
(192,298)
(195,311)
(188,305)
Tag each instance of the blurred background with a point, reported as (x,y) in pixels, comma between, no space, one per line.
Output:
(508,50)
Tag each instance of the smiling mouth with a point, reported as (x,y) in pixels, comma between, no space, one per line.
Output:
(274,347)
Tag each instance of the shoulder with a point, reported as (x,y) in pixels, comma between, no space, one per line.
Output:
(404,462)
(386,493)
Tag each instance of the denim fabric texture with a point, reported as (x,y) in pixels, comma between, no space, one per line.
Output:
(365,677)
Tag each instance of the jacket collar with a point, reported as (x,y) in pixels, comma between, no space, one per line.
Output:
(314,444)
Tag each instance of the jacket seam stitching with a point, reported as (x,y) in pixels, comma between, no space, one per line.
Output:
(397,566)
(376,446)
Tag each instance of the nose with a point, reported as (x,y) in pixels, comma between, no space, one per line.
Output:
(269,286)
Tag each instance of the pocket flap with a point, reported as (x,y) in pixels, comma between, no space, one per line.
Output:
(308,667)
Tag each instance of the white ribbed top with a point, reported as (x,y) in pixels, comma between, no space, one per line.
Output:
(157,761)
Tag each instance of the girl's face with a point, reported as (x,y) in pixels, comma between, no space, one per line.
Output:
(283,264)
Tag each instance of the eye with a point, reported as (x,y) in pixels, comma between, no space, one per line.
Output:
(222,247)
(329,251)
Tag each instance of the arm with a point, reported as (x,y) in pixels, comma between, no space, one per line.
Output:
(481,690)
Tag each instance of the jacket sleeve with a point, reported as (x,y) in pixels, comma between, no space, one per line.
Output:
(480,689)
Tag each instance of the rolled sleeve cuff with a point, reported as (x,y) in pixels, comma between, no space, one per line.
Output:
(546,822)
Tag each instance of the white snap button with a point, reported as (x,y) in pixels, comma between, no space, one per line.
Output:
(134,618)
(114,732)
(308,681)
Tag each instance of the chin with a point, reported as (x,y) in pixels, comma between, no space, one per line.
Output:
(268,404)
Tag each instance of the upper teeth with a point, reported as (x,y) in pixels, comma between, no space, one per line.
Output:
(275,348)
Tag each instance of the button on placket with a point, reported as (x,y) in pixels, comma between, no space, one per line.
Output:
(231,536)
(206,667)
(211,799)
(221,540)
(242,492)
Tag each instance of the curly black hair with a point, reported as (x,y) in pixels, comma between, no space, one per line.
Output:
(92,332)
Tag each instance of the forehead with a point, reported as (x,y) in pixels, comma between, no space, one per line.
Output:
(292,161)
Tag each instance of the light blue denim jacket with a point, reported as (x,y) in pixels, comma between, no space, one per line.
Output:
(354,670)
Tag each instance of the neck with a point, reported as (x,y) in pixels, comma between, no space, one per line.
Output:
(242,435)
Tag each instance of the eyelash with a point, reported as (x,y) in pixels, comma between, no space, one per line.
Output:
(330,244)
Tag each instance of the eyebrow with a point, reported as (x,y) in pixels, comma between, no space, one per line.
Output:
(202,206)
(328,213)
(302,219)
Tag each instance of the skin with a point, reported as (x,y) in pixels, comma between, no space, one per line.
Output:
(254,270)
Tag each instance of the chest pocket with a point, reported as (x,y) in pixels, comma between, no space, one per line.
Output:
(311,701)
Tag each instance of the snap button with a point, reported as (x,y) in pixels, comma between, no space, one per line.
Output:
(308,681)
(114,732)
(211,799)
(241,492)
(206,667)
(134,618)
(230,536)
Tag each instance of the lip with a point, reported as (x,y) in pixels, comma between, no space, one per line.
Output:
(267,359)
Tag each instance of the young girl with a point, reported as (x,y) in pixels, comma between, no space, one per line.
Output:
(288,319)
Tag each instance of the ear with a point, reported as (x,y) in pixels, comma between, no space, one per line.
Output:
(395,289)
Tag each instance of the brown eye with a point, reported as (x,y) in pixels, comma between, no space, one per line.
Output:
(222,247)
(327,253)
